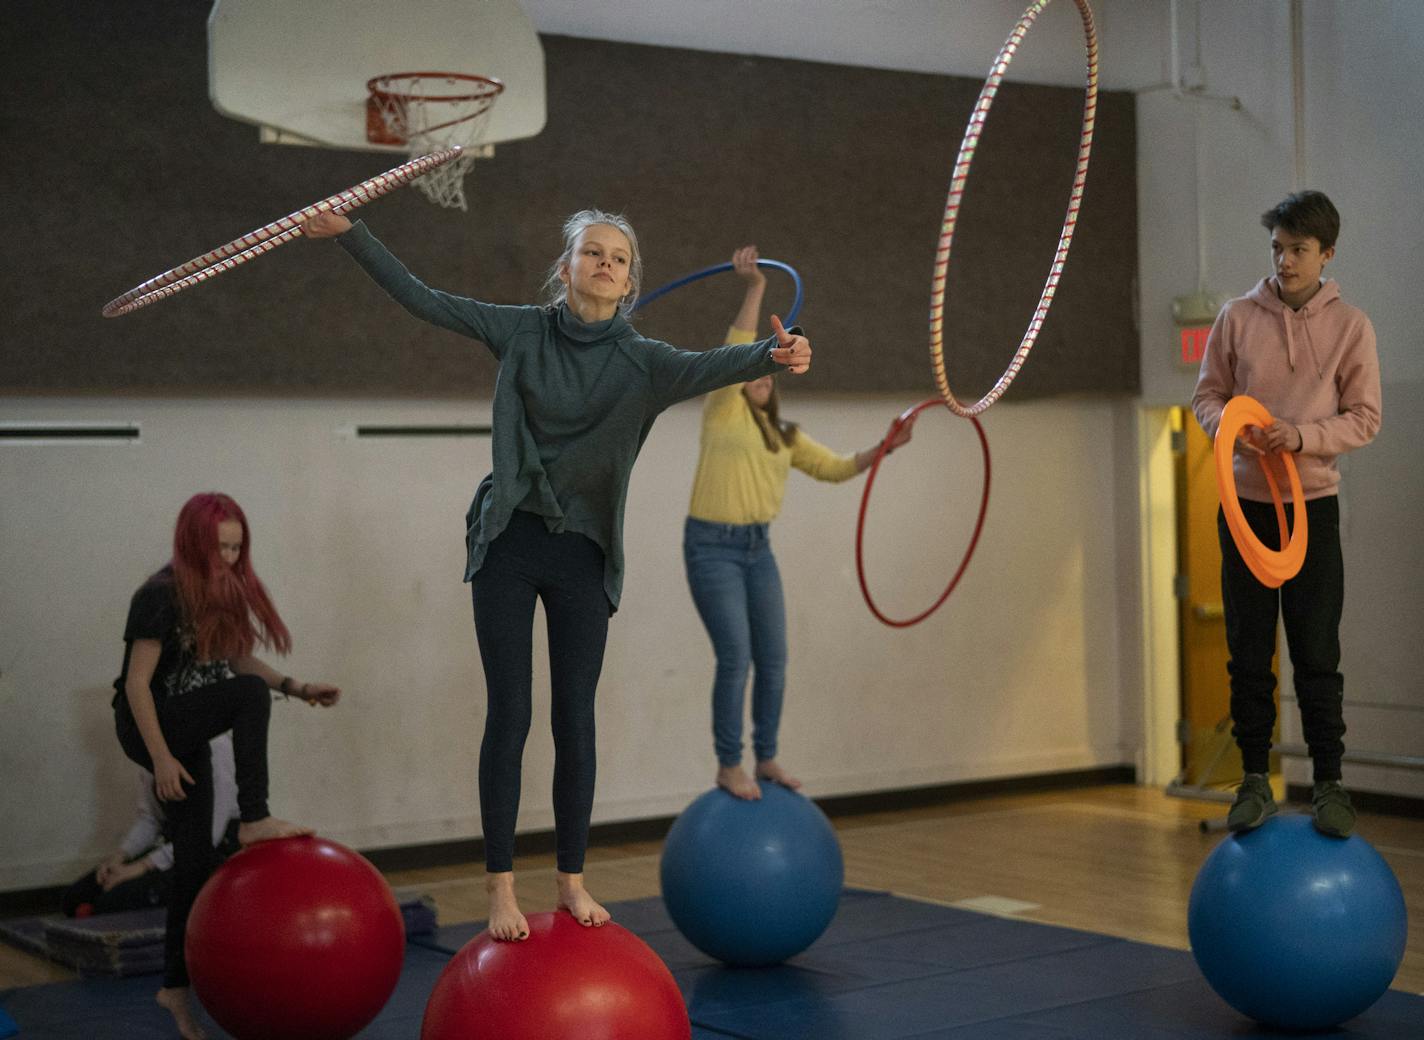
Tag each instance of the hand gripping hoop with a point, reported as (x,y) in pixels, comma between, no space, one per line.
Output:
(265,239)
(865,504)
(1271,568)
(956,194)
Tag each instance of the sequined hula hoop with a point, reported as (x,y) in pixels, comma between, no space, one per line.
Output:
(956,195)
(269,237)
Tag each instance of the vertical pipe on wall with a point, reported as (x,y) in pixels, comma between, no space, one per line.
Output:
(1297,32)
(1197,94)
(1175,64)
(1179,91)
(1199,143)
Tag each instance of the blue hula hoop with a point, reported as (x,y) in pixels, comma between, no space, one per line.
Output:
(707,272)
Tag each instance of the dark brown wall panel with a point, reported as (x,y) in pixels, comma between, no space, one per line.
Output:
(117,168)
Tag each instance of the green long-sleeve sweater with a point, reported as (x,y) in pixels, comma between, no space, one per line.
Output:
(573,403)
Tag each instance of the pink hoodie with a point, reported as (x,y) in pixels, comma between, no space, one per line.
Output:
(1315,367)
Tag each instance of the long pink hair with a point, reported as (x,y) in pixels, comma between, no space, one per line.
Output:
(228,607)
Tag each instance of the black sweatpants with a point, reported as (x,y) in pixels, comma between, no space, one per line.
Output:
(243,705)
(565,570)
(1310,604)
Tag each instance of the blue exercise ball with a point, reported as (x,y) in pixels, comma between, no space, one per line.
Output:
(1296,929)
(752,882)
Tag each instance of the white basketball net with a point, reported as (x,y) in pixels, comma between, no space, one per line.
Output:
(429,111)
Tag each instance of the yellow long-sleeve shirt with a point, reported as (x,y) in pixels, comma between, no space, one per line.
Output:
(738,481)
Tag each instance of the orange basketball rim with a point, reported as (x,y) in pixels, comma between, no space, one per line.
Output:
(1272,568)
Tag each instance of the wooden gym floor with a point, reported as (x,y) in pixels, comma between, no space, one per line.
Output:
(1114,859)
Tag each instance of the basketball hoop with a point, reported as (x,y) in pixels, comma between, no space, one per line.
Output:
(430,111)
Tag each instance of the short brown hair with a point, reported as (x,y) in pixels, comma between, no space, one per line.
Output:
(1306,213)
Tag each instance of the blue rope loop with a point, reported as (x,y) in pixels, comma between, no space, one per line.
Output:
(707,272)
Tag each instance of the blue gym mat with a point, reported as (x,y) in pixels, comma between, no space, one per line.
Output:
(131,942)
(887,969)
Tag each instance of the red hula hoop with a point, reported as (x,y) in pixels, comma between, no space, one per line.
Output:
(865,503)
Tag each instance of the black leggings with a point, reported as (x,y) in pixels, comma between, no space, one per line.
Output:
(523,564)
(1310,605)
(189,721)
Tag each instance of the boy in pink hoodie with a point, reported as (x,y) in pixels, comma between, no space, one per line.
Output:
(1309,357)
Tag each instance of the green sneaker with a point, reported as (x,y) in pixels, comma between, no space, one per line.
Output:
(1254,803)
(1334,815)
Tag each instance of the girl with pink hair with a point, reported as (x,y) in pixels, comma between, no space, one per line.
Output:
(188,675)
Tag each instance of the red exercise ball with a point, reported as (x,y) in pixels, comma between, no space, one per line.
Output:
(295,938)
(565,982)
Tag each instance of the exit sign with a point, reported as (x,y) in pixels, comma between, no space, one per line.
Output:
(1194,344)
(1194,316)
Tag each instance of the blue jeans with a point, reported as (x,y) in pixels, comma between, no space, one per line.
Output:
(737,589)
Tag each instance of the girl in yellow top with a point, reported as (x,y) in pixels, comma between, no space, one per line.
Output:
(746,454)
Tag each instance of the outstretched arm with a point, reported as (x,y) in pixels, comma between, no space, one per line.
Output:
(899,435)
(313,693)
(133,869)
(493,324)
(744,262)
(819,462)
(680,374)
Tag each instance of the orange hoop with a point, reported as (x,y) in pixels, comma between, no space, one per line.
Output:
(1272,568)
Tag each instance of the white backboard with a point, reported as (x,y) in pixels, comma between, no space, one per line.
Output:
(298,68)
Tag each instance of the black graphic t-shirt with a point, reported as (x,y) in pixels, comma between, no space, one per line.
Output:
(154,613)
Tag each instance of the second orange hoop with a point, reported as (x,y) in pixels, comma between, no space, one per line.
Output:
(1272,568)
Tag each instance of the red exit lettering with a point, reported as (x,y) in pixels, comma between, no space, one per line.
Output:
(1194,344)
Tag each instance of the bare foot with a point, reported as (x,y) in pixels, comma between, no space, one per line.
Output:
(506,923)
(734,780)
(574,898)
(268,828)
(178,1002)
(768,769)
